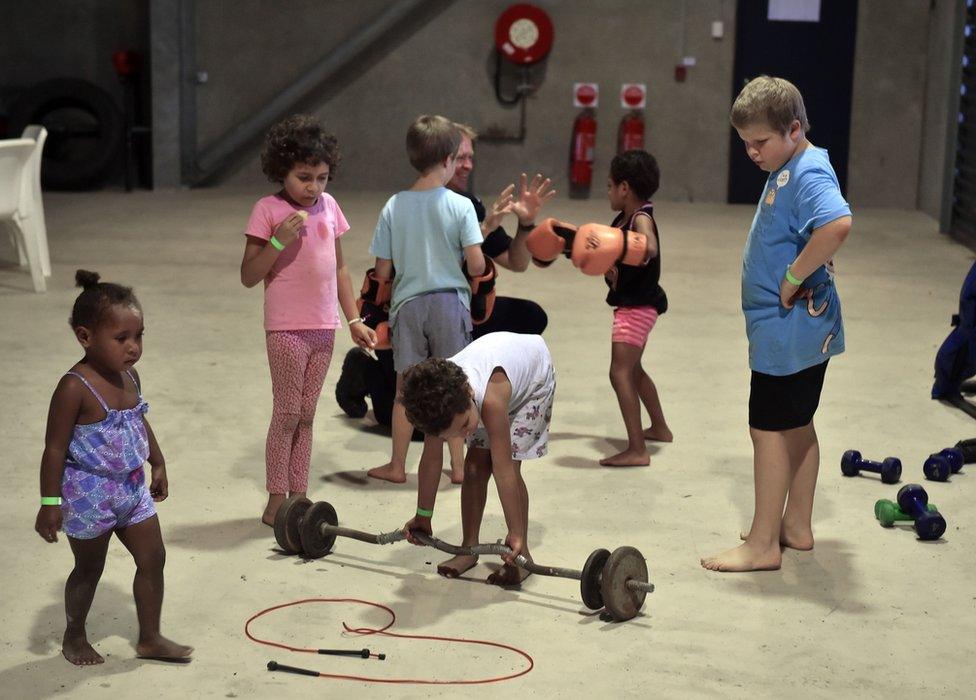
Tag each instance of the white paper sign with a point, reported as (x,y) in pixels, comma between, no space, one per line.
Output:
(794,11)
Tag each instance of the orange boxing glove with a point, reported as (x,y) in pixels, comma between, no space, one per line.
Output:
(597,248)
(547,240)
(482,291)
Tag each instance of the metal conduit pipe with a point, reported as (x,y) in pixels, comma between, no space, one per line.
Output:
(213,157)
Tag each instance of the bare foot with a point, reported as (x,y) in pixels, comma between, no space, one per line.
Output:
(388,473)
(745,557)
(78,651)
(454,567)
(508,575)
(800,538)
(274,503)
(796,537)
(659,434)
(162,649)
(627,458)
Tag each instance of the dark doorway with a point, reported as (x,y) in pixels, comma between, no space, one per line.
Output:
(962,219)
(817,57)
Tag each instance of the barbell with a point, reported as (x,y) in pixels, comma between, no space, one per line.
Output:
(614,580)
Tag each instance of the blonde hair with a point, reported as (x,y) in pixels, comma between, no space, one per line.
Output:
(772,101)
(467,131)
(431,139)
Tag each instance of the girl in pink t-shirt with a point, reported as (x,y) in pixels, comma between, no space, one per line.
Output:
(293,246)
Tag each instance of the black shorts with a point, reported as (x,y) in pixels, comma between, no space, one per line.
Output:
(787,402)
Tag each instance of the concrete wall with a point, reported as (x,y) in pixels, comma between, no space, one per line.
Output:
(944,20)
(253,48)
(69,38)
(889,96)
(446,67)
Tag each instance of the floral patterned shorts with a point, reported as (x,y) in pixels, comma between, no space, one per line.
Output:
(529,424)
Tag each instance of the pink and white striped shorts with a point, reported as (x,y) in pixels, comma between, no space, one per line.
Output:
(632,324)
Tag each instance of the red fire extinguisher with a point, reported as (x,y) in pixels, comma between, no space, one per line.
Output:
(581,154)
(630,135)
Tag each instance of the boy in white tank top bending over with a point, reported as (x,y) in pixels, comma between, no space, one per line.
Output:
(496,393)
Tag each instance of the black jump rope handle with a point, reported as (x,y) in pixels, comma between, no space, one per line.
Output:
(275,666)
(362,654)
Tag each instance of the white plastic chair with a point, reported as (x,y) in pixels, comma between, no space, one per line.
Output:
(15,155)
(32,205)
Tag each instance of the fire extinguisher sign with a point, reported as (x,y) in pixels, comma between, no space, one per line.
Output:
(586,94)
(633,95)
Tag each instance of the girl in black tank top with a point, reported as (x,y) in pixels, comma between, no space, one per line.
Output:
(637,286)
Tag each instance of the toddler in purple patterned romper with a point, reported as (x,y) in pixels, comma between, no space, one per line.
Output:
(92,478)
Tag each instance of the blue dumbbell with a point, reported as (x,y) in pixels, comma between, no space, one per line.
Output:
(940,465)
(852,463)
(929,525)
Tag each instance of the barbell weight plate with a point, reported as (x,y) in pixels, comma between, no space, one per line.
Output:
(314,543)
(590,580)
(623,565)
(287,521)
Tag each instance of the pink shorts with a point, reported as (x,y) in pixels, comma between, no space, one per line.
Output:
(632,324)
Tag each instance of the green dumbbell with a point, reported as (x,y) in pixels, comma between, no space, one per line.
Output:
(887,512)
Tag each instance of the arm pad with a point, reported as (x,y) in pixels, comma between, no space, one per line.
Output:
(375,290)
(482,291)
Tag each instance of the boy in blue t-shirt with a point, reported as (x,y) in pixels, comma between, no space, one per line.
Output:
(424,234)
(792,312)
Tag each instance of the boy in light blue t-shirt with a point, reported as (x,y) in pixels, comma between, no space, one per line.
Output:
(793,317)
(421,239)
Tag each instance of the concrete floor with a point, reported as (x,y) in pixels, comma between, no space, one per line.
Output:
(869,613)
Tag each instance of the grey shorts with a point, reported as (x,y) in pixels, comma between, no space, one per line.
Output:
(431,325)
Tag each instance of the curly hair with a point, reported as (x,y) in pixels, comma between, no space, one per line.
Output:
(639,170)
(298,139)
(435,391)
(97,298)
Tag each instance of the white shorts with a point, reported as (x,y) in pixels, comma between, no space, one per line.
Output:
(529,427)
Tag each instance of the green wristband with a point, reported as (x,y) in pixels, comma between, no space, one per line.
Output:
(276,243)
(791,279)
(50,500)
(424,512)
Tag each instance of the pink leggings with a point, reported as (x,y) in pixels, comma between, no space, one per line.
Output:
(298,360)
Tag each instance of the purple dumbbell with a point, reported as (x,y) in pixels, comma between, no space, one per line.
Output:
(940,465)
(852,463)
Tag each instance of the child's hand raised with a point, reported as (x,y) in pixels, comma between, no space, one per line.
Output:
(48,522)
(159,486)
(289,229)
